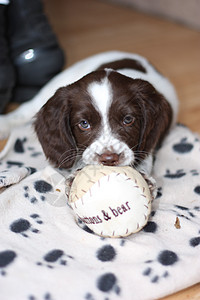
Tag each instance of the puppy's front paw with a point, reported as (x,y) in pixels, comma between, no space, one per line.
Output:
(69,182)
(152,185)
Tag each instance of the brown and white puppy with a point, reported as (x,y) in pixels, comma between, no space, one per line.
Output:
(116,115)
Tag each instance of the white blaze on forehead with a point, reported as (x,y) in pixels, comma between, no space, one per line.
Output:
(101,94)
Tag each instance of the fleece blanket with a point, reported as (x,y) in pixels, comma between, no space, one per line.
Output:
(45,255)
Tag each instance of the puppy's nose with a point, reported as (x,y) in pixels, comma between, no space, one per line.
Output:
(109,159)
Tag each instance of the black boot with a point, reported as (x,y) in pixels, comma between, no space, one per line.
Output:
(7,78)
(35,52)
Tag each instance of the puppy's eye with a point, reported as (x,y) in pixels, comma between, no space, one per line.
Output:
(128,120)
(84,125)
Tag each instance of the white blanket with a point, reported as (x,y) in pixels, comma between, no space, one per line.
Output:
(45,255)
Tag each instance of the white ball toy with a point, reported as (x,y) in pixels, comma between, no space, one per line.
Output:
(111,201)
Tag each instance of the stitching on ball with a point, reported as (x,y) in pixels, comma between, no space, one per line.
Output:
(143,195)
(103,173)
(91,181)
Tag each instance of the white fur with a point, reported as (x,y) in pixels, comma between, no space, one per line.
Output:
(101,94)
(27,110)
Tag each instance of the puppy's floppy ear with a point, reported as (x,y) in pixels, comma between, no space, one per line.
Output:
(156,113)
(53,130)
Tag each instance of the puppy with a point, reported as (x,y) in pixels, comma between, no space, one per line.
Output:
(116,113)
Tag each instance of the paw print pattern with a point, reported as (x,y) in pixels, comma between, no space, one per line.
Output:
(46,296)
(19,145)
(55,258)
(27,195)
(150,227)
(19,149)
(41,187)
(23,226)
(183,147)
(34,153)
(185,212)
(12,163)
(108,283)
(159,269)
(194,172)
(89,296)
(195,241)
(6,258)
(197,190)
(178,174)
(106,253)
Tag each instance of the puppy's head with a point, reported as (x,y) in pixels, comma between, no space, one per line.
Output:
(104,118)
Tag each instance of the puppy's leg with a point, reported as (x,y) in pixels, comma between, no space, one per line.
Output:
(69,181)
(145,169)
(151,184)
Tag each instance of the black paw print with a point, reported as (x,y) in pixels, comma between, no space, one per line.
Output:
(19,145)
(23,226)
(34,153)
(194,172)
(12,163)
(6,258)
(185,212)
(183,147)
(54,258)
(150,227)
(179,173)
(106,253)
(106,283)
(41,187)
(195,241)
(46,296)
(32,198)
(166,259)
(197,190)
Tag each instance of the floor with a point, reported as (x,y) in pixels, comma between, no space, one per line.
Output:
(91,26)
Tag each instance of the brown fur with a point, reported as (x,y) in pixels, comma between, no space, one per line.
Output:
(125,63)
(57,122)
